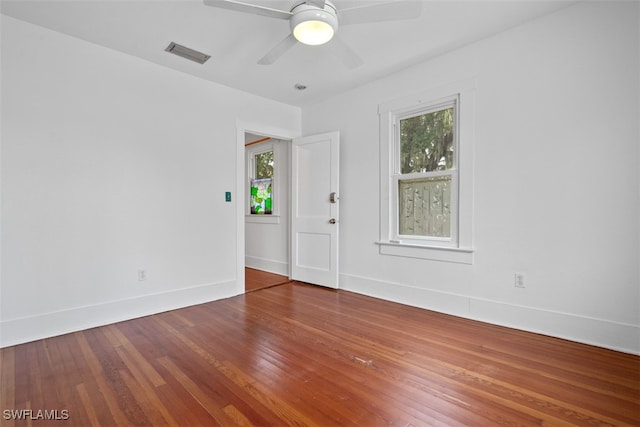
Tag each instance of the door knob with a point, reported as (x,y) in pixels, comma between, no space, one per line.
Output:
(332,221)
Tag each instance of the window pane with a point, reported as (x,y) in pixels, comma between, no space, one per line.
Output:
(264,165)
(261,200)
(425,207)
(426,142)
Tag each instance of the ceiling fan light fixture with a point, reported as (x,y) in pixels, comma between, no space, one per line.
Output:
(313,26)
(313,32)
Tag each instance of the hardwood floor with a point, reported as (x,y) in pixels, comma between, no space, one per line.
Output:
(296,354)
(257,279)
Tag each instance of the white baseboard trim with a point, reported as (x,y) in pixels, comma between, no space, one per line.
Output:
(599,332)
(269,265)
(26,329)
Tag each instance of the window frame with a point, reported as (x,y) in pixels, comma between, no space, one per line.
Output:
(459,247)
(250,155)
(397,175)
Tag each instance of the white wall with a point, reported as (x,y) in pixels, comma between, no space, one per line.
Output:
(111,164)
(267,241)
(556,182)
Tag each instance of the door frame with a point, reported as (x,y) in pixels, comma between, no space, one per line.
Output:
(243,127)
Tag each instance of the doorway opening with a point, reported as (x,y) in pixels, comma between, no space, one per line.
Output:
(266,211)
(311,229)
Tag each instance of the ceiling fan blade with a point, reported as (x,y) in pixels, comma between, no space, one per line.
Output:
(275,53)
(392,11)
(347,55)
(239,6)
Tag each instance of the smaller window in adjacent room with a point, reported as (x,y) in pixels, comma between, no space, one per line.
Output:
(261,191)
(263,165)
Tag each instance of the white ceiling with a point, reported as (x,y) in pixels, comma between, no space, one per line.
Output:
(237,40)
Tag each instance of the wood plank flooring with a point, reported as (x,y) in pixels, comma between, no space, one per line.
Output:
(301,355)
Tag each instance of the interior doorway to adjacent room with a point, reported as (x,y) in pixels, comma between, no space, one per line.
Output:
(266,211)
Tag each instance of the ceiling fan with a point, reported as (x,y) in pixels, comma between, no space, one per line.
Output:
(315,22)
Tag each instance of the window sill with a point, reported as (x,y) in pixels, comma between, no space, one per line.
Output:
(436,253)
(262,219)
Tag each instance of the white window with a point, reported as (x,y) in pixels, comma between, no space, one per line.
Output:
(426,164)
(262,183)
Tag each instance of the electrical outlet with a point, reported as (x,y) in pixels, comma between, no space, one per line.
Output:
(519,280)
(142,275)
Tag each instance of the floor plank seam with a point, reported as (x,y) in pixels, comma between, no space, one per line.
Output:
(269,286)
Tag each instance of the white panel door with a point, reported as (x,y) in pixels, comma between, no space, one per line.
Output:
(315,222)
